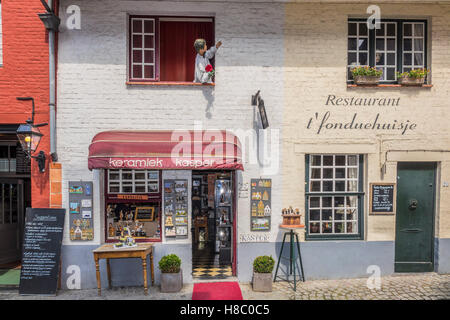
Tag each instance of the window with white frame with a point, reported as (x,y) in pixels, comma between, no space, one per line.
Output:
(1,36)
(334,196)
(133,181)
(396,46)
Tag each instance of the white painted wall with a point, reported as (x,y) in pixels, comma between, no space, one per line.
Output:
(93,95)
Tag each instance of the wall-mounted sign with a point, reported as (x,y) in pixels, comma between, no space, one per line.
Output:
(382,198)
(254,237)
(41,254)
(260,204)
(80,211)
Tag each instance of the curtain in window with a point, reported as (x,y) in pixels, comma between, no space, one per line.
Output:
(177,53)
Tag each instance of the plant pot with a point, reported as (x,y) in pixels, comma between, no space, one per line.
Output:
(262,282)
(407,81)
(171,282)
(366,80)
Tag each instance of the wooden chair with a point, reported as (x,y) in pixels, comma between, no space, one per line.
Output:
(201,222)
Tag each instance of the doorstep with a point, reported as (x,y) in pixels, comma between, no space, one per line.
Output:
(228,279)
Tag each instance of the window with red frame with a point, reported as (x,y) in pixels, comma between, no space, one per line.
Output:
(162,48)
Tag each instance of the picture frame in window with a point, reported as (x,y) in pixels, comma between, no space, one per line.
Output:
(153,187)
(144,214)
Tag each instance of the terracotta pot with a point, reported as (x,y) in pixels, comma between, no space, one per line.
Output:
(171,282)
(407,81)
(262,282)
(365,80)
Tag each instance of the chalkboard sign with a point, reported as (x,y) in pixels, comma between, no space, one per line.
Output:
(144,213)
(41,252)
(382,198)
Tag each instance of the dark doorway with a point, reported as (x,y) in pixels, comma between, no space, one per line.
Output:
(416,185)
(212,224)
(15,196)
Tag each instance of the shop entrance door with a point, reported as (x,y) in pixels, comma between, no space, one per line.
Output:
(213,223)
(416,185)
(11,219)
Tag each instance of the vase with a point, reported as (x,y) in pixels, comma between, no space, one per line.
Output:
(171,282)
(262,282)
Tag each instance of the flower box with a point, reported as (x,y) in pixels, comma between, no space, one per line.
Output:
(408,81)
(366,80)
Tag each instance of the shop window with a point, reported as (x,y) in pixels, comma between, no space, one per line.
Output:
(162,48)
(133,200)
(397,46)
(334,197)
(133,181)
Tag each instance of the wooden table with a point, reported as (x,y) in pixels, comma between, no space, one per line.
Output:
(107,251)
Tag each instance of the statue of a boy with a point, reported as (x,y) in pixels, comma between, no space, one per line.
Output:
(202,60)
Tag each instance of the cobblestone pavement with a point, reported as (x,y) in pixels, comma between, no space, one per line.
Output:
(425,286)
(429,286)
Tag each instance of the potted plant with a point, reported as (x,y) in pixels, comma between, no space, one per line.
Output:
(366,75)
(415,77)
(262,273)
(171,274)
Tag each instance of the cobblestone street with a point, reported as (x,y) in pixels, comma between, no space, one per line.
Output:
(429,286)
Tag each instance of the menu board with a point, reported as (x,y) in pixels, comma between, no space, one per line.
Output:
(41,254)
(260,204)
(176,208)
(382,198)
(81,211)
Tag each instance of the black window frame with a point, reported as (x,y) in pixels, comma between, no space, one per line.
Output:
(399,36)
(361,202)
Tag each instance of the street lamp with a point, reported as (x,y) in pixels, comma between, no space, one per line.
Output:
(29,137)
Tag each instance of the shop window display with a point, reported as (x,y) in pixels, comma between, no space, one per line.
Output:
(133,202)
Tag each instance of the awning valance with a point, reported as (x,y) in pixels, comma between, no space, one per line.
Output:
(197,150)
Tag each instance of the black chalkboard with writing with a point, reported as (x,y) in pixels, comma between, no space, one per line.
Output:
(41,251)
(382,198)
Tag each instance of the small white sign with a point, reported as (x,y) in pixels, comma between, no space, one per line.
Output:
(254,237)
(87,214)
(86,203)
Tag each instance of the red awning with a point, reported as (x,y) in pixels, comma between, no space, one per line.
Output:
(165,150)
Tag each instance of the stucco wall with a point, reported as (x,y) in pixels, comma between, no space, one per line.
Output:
(315,67)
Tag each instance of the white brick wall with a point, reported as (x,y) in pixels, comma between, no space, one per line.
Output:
(93,96)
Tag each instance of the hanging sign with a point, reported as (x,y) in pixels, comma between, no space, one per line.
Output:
(260,204)
(80,210)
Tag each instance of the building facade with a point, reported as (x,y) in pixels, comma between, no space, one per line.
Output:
(24,72)
(125,93)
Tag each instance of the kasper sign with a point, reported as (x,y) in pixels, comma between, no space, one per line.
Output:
(165,150)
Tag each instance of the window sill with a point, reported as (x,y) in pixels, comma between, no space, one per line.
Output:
(386,86)
(169,83)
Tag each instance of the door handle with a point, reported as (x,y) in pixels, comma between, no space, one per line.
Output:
(413,203)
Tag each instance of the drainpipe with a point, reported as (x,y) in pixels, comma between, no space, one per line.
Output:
(52,88)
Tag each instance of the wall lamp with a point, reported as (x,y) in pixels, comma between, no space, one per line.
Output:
(29,137)
(257,101)
(50,19)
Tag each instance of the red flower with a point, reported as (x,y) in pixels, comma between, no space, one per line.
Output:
(209,68)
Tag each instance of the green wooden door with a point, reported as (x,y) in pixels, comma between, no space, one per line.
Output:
(415,217)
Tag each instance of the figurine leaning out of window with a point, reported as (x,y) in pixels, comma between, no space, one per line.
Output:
(203,69)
